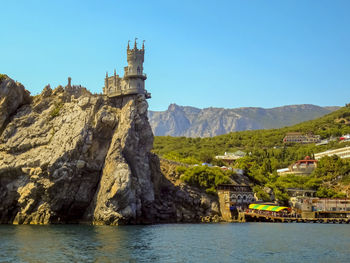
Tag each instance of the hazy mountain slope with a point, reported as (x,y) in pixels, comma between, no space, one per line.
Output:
(193,122)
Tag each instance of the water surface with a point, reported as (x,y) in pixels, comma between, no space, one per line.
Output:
(249,242)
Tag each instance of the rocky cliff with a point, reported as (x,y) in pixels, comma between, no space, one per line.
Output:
(67,156)
(208,122)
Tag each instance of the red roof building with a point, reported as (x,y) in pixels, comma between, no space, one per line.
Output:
(301,167)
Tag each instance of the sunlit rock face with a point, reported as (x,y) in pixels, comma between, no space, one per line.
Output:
(68,156)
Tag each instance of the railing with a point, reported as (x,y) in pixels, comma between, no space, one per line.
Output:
(128,74)
(128,92)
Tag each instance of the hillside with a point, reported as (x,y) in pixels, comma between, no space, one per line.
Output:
(193,122)
(332,124)
(266,153)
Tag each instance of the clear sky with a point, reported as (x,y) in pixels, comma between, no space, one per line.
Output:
(261,53)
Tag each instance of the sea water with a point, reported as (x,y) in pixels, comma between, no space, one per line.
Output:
(247,242)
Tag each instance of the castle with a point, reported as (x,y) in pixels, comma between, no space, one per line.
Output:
(133,81)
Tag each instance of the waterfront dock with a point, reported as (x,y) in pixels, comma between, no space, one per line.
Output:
(257,217)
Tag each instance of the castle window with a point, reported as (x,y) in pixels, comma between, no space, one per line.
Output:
(138,71)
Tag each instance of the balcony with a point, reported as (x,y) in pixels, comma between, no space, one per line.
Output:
(125,92)
(135,75)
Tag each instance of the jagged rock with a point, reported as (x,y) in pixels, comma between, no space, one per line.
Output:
(84,102)
(12,96)
(70,156)
(47,91)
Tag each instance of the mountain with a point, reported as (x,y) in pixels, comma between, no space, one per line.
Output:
(193,122)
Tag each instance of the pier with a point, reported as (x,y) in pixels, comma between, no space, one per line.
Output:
(257,217)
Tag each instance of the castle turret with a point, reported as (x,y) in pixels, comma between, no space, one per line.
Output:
(134,76)
(135,59)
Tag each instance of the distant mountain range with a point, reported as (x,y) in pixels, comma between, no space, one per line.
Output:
(193,122)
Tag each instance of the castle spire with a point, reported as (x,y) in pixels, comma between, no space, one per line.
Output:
(106,74)
(115,73)
(143,44)
(128,44)
(135,45)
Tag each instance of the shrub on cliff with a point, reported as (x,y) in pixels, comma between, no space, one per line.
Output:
(261,194)
(205,177)
(2,77)
(56,111)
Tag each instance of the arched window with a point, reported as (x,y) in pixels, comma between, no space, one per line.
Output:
(138,71)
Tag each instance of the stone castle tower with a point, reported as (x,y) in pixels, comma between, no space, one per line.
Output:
(133,81)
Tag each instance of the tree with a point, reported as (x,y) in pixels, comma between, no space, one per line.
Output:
(331,168)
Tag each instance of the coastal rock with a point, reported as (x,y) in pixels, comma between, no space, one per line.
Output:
(68,156)
(180,202)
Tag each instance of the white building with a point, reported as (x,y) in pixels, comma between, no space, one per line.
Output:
(341,152)
(230,157)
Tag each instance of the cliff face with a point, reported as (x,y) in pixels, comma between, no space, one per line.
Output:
(193,122)
(69,156)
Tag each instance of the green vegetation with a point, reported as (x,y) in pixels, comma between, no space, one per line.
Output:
(204,177)
(56,111)
(332,168)
(2,77)
(266,153)
(195,150)
(261,194)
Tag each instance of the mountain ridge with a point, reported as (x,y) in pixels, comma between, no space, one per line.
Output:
(190,121)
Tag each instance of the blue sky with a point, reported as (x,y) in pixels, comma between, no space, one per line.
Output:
(198,53)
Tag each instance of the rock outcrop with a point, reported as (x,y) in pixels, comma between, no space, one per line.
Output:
(12,96)
(67,156)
